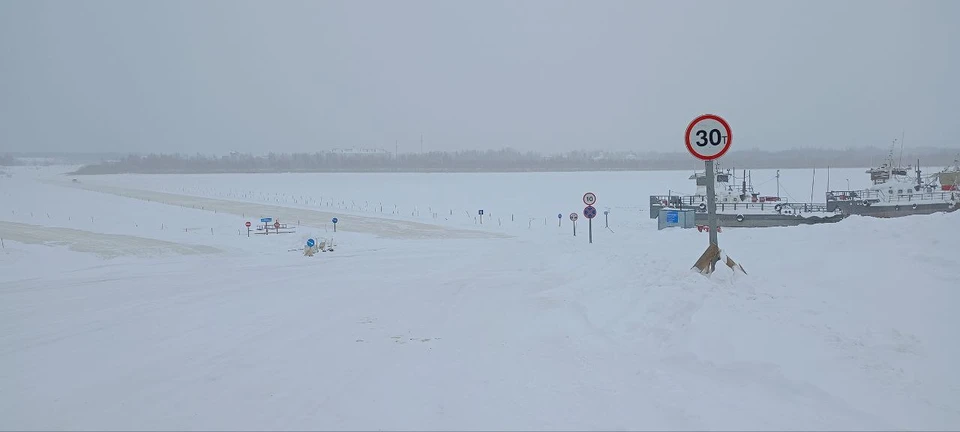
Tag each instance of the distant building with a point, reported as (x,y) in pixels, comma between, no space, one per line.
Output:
(361,151)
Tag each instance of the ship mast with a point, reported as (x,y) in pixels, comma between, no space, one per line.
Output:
(890,160)
(919,181)
(902,135)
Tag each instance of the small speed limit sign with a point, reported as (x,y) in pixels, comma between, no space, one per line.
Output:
(708,137)
(589,198)
(574,217)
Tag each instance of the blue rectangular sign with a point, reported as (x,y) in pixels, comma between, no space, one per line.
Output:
(265,220)
(673,217)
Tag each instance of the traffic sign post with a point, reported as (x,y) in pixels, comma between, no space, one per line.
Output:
(573,218)
(309,250)
(711,200)
(481,216)
(606,218)
(590,212)
(276,225)
(335,220)
(559,219)
(708,137)
(248,228)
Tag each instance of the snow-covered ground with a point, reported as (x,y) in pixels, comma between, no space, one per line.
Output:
(139,302)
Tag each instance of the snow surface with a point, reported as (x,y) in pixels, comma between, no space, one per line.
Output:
(138,302)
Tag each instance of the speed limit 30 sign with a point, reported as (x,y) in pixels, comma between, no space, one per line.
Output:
(708,137)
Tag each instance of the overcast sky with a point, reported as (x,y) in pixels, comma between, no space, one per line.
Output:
(552,75)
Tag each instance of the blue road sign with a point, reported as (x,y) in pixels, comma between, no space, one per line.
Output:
(559,215)
(673,217)
(590,212)
(265,220)
(481,212)
(335,220)
(310,242)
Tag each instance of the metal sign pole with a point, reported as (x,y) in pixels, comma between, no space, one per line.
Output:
(711,201)
(590,228)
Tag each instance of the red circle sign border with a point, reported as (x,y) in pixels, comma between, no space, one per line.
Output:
(585,198)
(686,136)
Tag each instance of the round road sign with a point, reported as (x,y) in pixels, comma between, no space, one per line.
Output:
(573,217)
(589,198)
(247,224)
(559,215)
(708,137)
(276,225)
(590,212)
(335,220)
(310,243)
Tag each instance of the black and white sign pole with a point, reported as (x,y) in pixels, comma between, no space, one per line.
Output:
(573,218)
(708,137)
(590,212)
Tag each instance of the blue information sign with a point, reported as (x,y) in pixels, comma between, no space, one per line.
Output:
(673,217)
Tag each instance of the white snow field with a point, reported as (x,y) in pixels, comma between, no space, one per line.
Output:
(123,307)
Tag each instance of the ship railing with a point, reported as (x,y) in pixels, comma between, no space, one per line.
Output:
(925,196)
(851,195)
(880,196)
(694,201)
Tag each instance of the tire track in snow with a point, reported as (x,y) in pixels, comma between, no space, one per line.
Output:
(104,245)
(381,227)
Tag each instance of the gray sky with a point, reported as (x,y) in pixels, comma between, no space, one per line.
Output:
(552,75)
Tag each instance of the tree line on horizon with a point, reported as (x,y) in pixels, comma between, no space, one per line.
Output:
(504,160)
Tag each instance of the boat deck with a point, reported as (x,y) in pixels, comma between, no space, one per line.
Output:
(881,198)
(768,207)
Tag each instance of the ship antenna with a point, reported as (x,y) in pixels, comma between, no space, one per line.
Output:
(890,160)
(902,135)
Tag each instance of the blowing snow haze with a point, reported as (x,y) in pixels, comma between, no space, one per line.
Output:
(217,215)
(546,76)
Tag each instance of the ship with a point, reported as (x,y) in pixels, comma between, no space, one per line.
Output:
(949,178)
(739,205)
(895,195)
